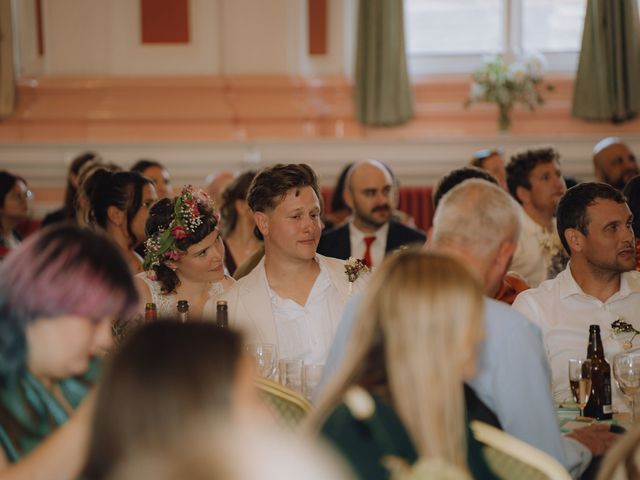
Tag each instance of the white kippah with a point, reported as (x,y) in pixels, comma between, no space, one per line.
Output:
(604,143)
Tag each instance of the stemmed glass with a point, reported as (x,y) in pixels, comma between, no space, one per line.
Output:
(265,357)
(580,381)
(626,371)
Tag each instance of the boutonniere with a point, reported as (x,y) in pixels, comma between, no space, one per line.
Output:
(623,332)
(354,268)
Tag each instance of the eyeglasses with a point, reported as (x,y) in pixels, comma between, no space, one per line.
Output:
(20,196)
(486,153)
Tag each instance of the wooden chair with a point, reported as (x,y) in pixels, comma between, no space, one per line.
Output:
(288,407)
(622,461)
(509,457)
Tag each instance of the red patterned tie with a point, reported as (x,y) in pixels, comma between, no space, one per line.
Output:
(367,252)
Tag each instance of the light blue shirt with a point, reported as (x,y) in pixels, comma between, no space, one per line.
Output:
(512,379)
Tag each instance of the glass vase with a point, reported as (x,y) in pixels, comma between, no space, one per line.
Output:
(504,118)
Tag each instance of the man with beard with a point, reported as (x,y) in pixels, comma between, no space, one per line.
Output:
(371,232)
(613,162)
(535,181)
(598,287)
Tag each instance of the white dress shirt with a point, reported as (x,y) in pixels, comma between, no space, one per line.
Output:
(564,312)
(378,247)
(535,251)
(306,332)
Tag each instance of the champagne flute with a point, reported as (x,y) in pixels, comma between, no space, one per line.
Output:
(626,371)
(580,381)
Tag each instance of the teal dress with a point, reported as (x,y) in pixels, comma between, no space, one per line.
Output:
(29,413)
(365,443)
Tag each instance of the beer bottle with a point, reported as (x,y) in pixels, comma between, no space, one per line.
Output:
(599,405)
(222,315)
(150,312)
(183,310)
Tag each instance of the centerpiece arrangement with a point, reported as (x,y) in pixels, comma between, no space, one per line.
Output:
(507,84)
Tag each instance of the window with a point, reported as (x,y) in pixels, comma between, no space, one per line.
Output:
(452,36)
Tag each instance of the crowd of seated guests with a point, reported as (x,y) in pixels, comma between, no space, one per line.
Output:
(388,310)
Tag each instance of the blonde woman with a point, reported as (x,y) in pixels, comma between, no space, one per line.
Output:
(400,390)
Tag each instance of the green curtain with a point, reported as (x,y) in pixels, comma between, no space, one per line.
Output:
(7,80)
(607,85)
(383,95)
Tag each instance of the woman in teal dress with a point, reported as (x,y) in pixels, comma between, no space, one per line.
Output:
(59,293)
(399,396)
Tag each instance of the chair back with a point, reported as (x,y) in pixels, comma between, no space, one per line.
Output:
(288,406)
(510,457)
(622,461)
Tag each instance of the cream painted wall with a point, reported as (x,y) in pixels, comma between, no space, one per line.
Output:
(97,37)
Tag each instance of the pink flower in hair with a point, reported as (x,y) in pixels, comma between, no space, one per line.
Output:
(202,196)
(193,209)
(152,275)
(174,255)
(179,232)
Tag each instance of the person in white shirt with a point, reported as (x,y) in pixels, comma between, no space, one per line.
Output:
(598,286)
(294,297)
(535,181)
(371,232)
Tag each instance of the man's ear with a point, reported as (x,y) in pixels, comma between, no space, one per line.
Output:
(505,254)
(347,196)
(524,195)
(575,239)
(115,215)
(262,222)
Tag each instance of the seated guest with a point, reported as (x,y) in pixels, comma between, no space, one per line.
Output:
(599,286)
(120,204)
(215,185)
(371,233)
(418,326)
(491,160)
(85,188)
(632,193)
(158,173)
(512,283)
(240,240)
(60,290)
(14,208)
(535,181)
(294,297)
(68,210)
(185,255)
(340,211)
(166,379)
(613,162)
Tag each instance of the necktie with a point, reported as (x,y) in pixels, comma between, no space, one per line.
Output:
(367,252)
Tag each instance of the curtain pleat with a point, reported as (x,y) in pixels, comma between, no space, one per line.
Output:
(7,80)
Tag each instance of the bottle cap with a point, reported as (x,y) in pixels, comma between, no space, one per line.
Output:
(221,302)
(150,306)
(595,328)
(183,305)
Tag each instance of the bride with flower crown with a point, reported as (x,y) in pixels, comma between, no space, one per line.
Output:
(185,255)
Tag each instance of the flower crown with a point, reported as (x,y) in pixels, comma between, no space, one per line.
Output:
(187,217)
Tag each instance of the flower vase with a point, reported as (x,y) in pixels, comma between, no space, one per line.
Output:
(504,118)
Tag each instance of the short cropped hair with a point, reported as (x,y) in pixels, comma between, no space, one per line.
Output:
(271,185)
(572,208)
(456,177)
(521,165)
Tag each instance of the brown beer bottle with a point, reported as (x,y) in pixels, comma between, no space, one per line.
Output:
(222,314)
(183,310)
(599,405)
(150,312)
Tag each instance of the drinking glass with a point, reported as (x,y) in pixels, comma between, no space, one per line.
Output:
(626,371)
(580,381)
(311,376)
(265,358)
(290,373)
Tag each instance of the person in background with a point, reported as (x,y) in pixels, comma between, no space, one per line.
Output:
(158,173)
(536,183)
(215,184)
(239,226)
(491,160)
(166,379)
(85,188)
(613,162)
(632,193)
(418,326)
(14,208)
(68,209)
(59,292)
(340,211)
(185,255)
(120,204)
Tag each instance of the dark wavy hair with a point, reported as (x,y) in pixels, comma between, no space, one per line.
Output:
(456,177)
(521,165)
(160,217)
(122,190)
(7,182)
(236,190)
(62,269)
(71,191)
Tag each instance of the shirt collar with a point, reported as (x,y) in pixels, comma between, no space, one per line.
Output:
(359,236)
(568,286)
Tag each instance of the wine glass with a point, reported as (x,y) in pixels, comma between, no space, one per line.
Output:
(626,371)
(580,381)
(265,358)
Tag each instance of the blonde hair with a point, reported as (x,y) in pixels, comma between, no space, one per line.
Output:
(420,312)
